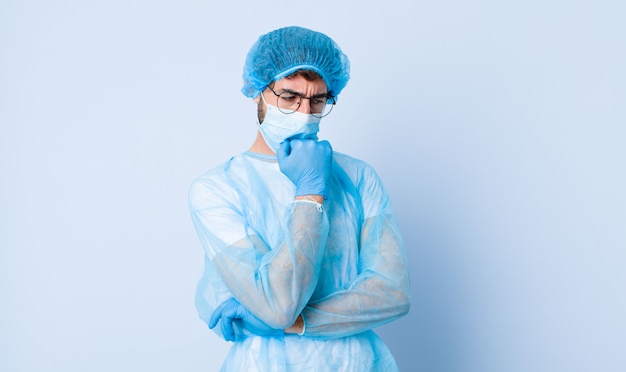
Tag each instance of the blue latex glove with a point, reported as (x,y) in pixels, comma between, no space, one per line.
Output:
(307,163)
(231,311)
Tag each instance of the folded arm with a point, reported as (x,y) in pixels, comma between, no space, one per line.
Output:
(378,295)
(274,284)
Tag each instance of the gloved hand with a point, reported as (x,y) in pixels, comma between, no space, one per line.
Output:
(307,163)
(231,311)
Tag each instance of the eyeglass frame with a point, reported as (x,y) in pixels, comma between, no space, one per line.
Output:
(321,95)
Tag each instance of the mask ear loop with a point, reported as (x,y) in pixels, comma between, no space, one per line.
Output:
(267,104)
(264,102)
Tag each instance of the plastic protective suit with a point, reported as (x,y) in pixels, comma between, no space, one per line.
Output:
(341,265)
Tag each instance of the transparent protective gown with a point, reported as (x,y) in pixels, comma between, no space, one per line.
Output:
(340,265)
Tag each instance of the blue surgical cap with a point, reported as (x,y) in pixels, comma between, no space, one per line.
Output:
(284,51)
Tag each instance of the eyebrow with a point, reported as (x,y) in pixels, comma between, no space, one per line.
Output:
(319,95)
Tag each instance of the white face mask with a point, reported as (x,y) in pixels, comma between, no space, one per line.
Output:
(278,126)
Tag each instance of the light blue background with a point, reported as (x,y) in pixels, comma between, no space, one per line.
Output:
(498,127)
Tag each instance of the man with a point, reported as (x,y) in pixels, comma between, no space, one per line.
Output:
(303,253)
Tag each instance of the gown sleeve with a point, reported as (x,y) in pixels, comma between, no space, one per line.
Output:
(274,283)
(380,293)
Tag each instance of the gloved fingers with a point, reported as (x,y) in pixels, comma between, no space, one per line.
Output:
(229,315)
(325,145)
(310,146)
(307,165)
(215,317)
(298,143)
(227,329)
(217,314)
(284,149)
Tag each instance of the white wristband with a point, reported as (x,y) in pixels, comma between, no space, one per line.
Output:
(303,326)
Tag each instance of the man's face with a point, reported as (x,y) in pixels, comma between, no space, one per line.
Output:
(296,84)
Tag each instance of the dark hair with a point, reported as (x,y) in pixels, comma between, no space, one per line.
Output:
(309,75)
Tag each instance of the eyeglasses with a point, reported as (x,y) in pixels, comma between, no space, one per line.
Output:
(289,102)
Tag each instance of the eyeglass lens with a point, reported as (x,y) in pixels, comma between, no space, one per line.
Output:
(288,103)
